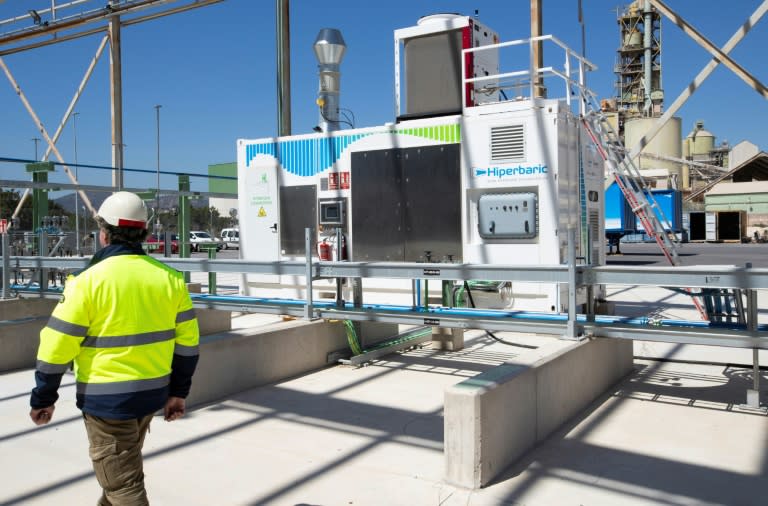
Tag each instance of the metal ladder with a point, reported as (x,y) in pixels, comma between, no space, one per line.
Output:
(638,194)
(627,176)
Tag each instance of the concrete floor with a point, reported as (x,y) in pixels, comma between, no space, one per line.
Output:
(670,434)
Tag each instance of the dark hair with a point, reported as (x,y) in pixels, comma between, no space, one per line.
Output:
(122,235)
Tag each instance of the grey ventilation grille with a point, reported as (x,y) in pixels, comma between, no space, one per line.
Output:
(594,232)
(507,143)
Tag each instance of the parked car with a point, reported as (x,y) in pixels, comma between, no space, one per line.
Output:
(198,237)
(230,238)
(156,244)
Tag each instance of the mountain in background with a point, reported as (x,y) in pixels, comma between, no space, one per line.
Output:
(166,201)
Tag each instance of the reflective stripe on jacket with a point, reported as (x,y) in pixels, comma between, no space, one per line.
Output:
(128,324)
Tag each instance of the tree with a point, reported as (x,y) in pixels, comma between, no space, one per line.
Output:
(208,218)
(9,201)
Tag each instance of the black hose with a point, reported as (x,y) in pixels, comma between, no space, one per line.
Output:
(488,332)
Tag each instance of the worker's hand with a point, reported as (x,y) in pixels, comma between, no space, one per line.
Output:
(42,416)
(174,408)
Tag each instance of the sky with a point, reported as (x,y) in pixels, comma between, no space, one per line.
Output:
(213,71)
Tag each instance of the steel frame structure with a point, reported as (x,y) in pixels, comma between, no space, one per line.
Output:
(745,278)
(78,25)
(631,61)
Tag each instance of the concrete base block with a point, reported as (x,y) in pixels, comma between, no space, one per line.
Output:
(20,332)
(448,339)
(492,419)
(213,321)
(753,398)
(235,361)
(210,321)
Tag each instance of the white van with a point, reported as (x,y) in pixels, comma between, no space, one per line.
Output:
(230,238)
(198,237)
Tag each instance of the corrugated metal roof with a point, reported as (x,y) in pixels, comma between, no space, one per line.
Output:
(739,188)
(754,169)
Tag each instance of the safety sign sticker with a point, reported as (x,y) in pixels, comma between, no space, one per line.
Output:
(262,213)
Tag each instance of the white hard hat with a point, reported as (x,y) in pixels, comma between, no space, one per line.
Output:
(124,209)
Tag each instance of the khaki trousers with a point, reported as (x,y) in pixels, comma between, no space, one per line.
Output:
(115,449)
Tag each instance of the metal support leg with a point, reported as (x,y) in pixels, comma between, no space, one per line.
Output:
(308,309)
(339,281)
(6,267)
(211,275)
(43,252)
(753,395)
(357,292)
(184,222)
(573,329)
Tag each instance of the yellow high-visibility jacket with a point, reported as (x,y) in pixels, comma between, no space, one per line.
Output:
(128,324)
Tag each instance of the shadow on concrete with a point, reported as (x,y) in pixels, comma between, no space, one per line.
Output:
(714,393)
(568,456)
(379,424)
(565,456)
(26,394)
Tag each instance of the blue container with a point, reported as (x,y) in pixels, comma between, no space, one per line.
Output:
(671,204)
(619,219)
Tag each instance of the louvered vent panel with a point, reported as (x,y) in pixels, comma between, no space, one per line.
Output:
(507,143)
(594,230)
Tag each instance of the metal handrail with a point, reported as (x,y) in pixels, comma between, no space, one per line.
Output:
(573,75)
(679,276)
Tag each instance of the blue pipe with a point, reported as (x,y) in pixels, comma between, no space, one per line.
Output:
(455,312)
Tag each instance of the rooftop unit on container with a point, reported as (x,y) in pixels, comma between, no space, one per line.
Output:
(428,65)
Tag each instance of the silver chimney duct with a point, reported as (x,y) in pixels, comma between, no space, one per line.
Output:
(329,49)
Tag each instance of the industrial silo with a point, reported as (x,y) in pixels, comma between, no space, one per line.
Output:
(700,142)
(665,144)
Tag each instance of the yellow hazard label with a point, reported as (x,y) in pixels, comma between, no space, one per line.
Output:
(262,212)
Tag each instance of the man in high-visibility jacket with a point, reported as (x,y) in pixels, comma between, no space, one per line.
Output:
(128,324)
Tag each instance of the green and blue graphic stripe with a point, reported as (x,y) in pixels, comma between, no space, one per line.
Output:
(307,157)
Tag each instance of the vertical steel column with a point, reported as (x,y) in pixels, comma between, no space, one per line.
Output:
(39,195)
(283,44)
(39,202)
(42,250)
(753,395)
(308,309)
(572,329)
(211,274)
(538,53)
(157,194)
(6,266)
(184,221)
(116,99)
(78,250)
(339,281)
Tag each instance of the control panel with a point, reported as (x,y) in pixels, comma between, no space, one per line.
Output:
(332,212)
(508,215)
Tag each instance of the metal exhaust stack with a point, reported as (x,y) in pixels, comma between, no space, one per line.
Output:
(329,49)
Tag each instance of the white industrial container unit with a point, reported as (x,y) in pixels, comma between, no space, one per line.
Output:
(489,181)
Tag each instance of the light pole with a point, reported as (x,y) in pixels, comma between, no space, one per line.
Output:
(157,196)
(77,199)
(36,140)
(85,225)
